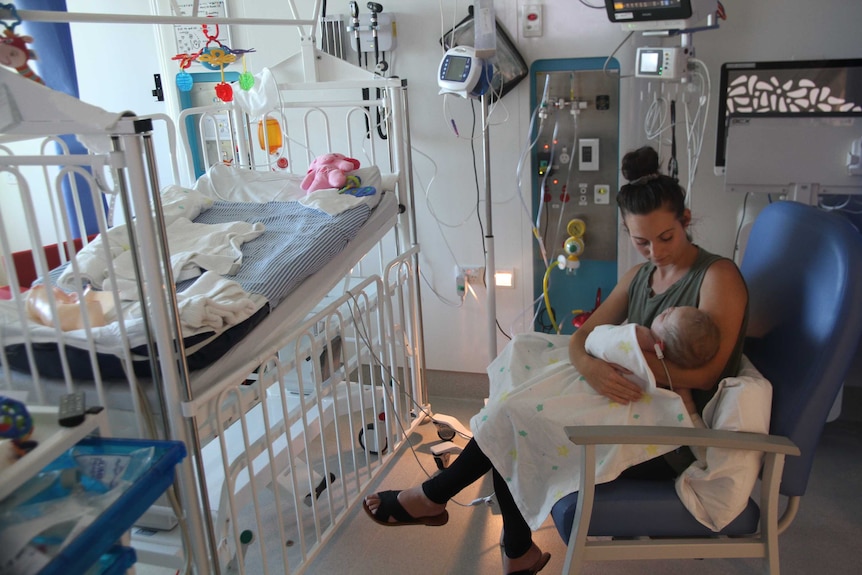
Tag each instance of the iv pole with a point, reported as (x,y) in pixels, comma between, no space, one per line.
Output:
(485,43)
(490,272)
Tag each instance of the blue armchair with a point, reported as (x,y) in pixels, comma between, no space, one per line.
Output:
(803,268)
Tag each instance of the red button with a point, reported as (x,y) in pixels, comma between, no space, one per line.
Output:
(532,16)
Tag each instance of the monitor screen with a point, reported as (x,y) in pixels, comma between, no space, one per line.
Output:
(624,10)
(648,62)
(803,88)
(455,69)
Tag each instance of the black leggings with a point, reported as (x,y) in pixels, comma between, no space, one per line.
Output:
(469,466)
(472,464)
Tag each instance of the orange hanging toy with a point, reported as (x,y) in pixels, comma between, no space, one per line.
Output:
(13,48)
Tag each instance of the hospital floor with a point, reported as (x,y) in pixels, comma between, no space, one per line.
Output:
(824,538)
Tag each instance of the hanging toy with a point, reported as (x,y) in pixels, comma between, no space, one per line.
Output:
(184,79)
(246,79)
(216,58)
(13,48)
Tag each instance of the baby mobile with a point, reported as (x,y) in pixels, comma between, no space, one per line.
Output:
(13,47)
(214,56)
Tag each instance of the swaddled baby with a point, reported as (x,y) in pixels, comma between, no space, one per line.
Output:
(685,336)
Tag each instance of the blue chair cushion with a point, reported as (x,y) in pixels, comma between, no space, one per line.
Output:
(637,507)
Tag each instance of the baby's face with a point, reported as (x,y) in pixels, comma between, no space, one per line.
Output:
(665,321)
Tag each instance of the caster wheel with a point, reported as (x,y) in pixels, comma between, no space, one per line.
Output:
(445,432)
(376,441)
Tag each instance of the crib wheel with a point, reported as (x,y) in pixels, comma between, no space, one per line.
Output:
(375,440)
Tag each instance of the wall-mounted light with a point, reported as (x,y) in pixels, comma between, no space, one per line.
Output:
(504,278)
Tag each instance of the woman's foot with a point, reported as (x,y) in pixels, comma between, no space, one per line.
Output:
(413,501)
(530,562)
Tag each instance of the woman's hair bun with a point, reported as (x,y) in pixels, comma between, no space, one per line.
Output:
(639,163)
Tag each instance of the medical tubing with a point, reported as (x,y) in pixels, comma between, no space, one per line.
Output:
(695,132)
(608,60)
(363,334)
(547,172)
(545,91)
(519,174)
(534,303)
(575,112)
(548,297)
(654,120)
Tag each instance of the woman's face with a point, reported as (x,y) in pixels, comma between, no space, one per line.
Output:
(659,235)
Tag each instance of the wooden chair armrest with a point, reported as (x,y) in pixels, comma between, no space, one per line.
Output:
(668,435)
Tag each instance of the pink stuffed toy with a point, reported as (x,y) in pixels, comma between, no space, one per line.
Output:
(328,171)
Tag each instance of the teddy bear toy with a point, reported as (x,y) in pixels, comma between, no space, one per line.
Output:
(328,171)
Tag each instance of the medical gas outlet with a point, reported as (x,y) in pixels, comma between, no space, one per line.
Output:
(602,194)
(573,247)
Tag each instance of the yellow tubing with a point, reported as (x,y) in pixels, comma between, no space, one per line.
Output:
(548,298)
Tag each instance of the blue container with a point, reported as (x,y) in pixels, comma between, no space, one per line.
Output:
(101,536)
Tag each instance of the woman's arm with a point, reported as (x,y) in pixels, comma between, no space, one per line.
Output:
(724,297)
(605,378)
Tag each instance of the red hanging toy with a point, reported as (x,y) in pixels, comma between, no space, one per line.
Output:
(13,48)
(215,58)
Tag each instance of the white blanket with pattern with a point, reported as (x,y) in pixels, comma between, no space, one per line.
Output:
(535,392)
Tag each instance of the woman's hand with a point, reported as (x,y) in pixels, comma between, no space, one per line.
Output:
(609,380)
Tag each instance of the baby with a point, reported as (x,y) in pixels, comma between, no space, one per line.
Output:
(686,336)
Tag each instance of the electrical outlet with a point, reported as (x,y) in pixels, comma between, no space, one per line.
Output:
(473,274)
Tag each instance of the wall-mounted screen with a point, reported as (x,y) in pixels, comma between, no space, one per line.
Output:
(805,88)
(659,14)
(619,11)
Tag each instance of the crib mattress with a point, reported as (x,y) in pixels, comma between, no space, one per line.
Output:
(296,277)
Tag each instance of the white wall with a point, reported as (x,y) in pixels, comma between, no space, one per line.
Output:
(763,30)
(456,337)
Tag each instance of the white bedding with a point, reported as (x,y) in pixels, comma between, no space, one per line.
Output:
(716,487)
(229,184)
(535,393)
(216,304)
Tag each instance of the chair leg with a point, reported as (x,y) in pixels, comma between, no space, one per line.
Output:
(576,548)
(770,481)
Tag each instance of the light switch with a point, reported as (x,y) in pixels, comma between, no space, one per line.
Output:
(531,20)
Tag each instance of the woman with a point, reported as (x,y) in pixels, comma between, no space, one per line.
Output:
(677,273)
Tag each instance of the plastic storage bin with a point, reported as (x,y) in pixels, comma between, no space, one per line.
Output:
(95,549)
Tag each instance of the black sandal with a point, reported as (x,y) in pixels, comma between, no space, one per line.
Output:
(391,507)
(538,566)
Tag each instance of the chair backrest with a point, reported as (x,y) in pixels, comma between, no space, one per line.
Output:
(803,268)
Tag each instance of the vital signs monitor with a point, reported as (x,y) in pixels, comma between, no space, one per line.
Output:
(462,73)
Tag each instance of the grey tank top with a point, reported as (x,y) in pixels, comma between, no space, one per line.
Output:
(644,306)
